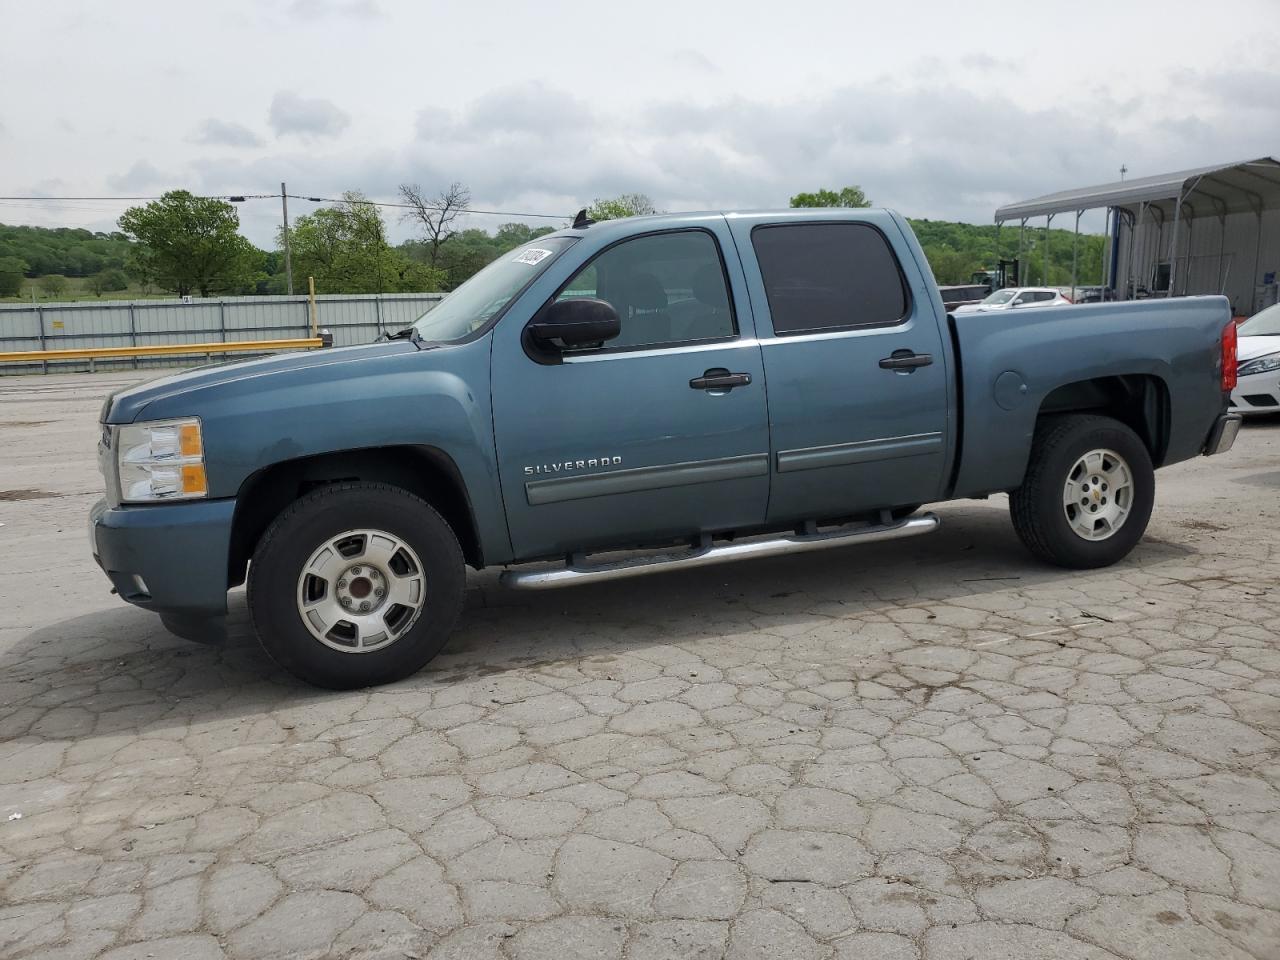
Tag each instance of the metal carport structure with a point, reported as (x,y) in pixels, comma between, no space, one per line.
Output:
(1212,229)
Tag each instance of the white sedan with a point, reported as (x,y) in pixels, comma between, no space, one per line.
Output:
(1258,376)
(1015,297)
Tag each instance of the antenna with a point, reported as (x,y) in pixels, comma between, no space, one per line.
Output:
(582,221)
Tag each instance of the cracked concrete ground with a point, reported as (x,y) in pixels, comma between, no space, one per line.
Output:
(934,749)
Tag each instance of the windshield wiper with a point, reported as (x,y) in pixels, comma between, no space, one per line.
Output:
(408,333)
(413,336)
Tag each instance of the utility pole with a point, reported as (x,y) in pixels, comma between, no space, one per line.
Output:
(1123,171)
(288,261)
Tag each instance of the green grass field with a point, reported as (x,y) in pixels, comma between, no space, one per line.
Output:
(77,289)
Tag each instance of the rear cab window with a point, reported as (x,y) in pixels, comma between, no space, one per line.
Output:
(829,276)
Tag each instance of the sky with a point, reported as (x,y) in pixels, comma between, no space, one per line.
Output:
(943,110)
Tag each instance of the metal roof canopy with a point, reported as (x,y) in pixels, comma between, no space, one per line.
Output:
(1248,186)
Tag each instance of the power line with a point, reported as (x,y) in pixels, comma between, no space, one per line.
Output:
(410,206)
(216,196)
(239,197)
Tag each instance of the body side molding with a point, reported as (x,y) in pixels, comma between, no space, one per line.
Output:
(860,451)
(584,486)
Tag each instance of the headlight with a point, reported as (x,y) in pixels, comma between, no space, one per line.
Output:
(161,460)
(1260,365)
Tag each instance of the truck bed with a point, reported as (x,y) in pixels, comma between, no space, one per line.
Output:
(1163,356)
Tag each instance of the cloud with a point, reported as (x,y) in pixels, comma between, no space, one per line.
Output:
(305,116)
(226,133)
(534,112)
(1247,89)
(928,147)
(934,150)
(352,9)
(693,61)
(143,175)
(984,63)
(925,146)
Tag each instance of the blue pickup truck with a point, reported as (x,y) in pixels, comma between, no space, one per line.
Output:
(640,395)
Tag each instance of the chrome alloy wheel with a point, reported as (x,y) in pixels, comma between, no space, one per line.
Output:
(361,591)
(1098,494)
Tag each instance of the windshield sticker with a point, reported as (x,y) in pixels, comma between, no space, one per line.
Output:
(532,256)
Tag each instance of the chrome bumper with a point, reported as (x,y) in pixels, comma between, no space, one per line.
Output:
(1223,434)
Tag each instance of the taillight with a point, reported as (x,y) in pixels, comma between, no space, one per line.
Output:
(1229,363)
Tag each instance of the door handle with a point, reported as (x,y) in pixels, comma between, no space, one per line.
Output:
(718,378)
(905,361)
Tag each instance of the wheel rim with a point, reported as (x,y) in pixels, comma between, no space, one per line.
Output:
(361,591)
(1098,495)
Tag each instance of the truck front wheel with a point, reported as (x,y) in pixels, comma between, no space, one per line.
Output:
(1088,492)
(356,584)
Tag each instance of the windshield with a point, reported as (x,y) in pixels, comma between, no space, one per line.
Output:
(1264,324)
(477,301)
(1000,296)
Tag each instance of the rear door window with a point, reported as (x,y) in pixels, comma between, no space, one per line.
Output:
(829,276)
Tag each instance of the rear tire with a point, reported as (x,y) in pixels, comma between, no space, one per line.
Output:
(1088,492)
(343,548)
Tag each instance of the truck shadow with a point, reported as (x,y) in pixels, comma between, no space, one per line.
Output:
(131,675)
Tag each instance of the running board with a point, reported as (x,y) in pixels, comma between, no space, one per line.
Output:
(578,570)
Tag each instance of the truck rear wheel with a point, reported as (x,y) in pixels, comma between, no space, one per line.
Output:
(356,584)
(1088,492)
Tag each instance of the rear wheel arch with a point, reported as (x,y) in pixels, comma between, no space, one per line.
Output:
(1042,507)
(1140,401)
(426,472)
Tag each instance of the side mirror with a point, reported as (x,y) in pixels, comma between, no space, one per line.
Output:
(576,323)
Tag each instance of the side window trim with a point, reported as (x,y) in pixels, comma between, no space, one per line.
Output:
(653,347)
(908,298)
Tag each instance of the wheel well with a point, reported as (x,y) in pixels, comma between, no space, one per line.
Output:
(424,471)
(1140,401)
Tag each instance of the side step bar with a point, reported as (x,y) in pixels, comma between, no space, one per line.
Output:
(577,570)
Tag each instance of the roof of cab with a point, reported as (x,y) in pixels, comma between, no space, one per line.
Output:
(659,220)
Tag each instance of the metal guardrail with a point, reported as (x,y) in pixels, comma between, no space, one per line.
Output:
(166,349)
(57,330)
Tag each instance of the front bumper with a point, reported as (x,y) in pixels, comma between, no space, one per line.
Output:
(1223,434)
(1257,393)
(170,558)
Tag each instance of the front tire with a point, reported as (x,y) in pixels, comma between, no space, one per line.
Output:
(1088,492)
(356,584)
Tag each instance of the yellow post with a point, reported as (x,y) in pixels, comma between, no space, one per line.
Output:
(311,287)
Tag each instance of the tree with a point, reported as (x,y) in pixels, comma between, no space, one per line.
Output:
(188,244)
(54,285)
(12,270)
(345,249)
(625,205)
(848,197)
(107,281)
(471,250)
(952,266)
(512,235)
(435,215)
(983,244)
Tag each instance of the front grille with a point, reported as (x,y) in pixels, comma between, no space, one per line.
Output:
(1261,400)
